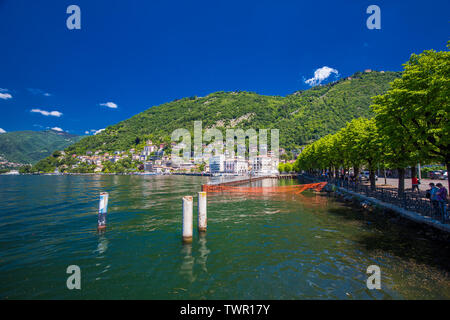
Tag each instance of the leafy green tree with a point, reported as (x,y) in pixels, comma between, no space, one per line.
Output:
(26,169)
(288,167)
(364,145)
(414,114)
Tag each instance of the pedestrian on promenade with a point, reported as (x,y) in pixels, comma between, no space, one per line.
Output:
(441,196)
(415,184)
(431,194)
(352,179)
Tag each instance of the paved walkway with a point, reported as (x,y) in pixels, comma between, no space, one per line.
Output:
(423,186)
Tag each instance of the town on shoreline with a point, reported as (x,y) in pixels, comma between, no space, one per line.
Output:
(156,159)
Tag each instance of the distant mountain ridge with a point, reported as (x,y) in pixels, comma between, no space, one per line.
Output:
(28,147)
(302,117)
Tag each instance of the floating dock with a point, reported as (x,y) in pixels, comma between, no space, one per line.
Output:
(213,185)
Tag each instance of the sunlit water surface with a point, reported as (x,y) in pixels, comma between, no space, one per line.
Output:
(258,246)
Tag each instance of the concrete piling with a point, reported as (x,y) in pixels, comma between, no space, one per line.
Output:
(187,219)
(202,217)
(102,210)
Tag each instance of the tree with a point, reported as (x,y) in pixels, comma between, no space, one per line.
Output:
(364,145)
(414,113)
(26,169)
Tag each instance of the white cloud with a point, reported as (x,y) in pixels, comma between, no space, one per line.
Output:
(47,113)
(94,131)
(4,90)
(320,75)
(2,131)
(5,96)
(57,129)
(111,105)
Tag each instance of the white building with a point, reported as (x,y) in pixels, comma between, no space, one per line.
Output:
(236,166)
(262,165)
(217,164)
(148,150)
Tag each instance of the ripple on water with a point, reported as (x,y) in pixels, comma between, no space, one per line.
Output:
(268,246)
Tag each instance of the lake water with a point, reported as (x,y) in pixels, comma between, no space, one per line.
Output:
(258,246)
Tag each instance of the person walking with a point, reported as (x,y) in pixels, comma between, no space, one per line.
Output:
(441,196)
(415,184)
(431,194)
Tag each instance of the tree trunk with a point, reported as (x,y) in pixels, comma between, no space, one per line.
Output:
(356,173)
(401,181)
(385,180)
(372,175)
(372,179)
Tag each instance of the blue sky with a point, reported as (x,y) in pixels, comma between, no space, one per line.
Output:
(137,54)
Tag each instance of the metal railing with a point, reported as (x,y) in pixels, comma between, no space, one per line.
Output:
(412,201)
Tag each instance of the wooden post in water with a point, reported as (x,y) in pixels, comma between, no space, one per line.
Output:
(187,219)
(102,210)
(202,217)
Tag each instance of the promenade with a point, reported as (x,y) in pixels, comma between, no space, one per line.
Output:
(410,205)
(423,186)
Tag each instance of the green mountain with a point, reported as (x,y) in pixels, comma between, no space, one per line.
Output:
(302,117)
(31,146)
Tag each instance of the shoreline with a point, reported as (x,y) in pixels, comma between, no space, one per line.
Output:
(108,174)
(383,208)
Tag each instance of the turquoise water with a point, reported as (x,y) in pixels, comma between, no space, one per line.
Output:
(259,246)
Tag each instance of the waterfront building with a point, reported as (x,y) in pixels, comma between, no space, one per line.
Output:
(262,165)
(217,164)
(148,167)
(236,166)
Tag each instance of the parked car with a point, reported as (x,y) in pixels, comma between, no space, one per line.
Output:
(435,174)
(365,176)
(444,176)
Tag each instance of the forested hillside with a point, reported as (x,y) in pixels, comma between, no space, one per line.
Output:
(31,146)
(302,117)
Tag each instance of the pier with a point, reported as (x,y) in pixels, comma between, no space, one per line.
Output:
(234,181)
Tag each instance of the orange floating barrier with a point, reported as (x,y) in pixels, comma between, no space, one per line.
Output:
(284,189)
